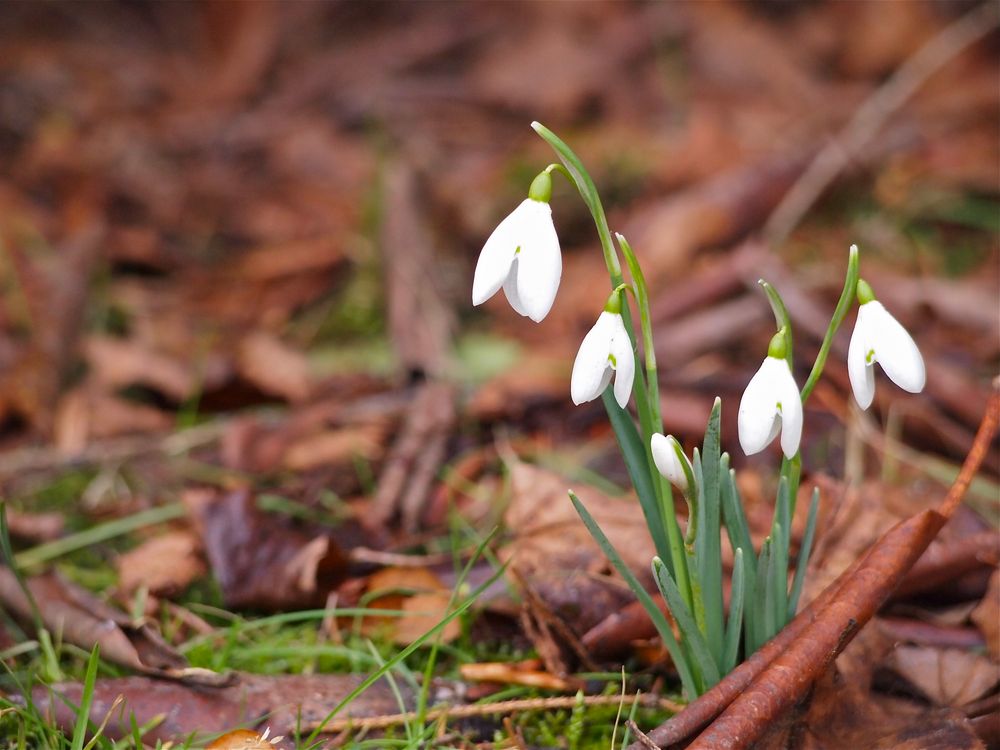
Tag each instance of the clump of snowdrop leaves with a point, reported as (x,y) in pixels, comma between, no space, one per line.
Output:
(522,256)
(879,337)
(771,403)
(605,350)
(670,460)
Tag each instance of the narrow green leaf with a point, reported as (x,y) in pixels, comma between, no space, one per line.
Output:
(710,550)
(739,539)
(658,618)
(696,605)
(763,613)
(735,623)
(634,453)
(9,558)
(804,551)
(779,574)
(686,624)
(781,538)
(736,521)
(86,699)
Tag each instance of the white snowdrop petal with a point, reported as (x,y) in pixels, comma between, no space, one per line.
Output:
(791,414)
(667,463)
(895,350)
(540,261)
(591,369)
(860,371)
(758,417)
(510,289)
(621,349)
(496,257)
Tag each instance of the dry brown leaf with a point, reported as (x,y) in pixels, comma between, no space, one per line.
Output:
(416,591)
(282,702)
(84,620)
(333,447)
(568,583)
(549,533)
(117,363)
(165,564)
(90,413)
(35,527)
(244,739)
(948,677)
(537,377)
(275,367)
(515,674)
(986,616)
(289,259)
(260,561)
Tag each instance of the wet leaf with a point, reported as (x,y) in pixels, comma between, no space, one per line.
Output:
(259,560)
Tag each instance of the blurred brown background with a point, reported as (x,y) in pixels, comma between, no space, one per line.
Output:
(212,206)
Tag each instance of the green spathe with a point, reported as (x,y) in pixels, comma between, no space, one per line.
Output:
(865,292)
(541,188)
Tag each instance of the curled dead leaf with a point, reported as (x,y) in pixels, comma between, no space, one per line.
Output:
(165,564)
(259,560)
(419,593)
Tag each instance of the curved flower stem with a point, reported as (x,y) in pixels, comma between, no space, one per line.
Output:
(649,420)
(843,305)
(645,325)
(782,320)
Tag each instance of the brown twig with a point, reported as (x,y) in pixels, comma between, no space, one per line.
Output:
(502,707)
(874,113)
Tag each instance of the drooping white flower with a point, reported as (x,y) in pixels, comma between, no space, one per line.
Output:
(771,403)
(879,337)
(668,455)
(522,256)
(606,349)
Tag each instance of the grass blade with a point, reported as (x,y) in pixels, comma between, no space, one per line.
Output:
(86,699)
(100,533)
(803,562)
(658,618)
(695,641)
(405,653)
(734,626)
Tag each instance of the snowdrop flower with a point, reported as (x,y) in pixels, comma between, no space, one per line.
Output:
(606,349)
(771,403)
(878,337)
(522,256)
(670,460)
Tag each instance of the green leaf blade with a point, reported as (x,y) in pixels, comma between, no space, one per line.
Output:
(658,618)
(686,624)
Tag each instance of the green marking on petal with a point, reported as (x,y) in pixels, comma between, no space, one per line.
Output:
(779,406)
(870,357)
(517,250)
(612,360)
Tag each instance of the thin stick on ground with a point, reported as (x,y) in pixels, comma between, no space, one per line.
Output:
(502,707)
(874,113)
